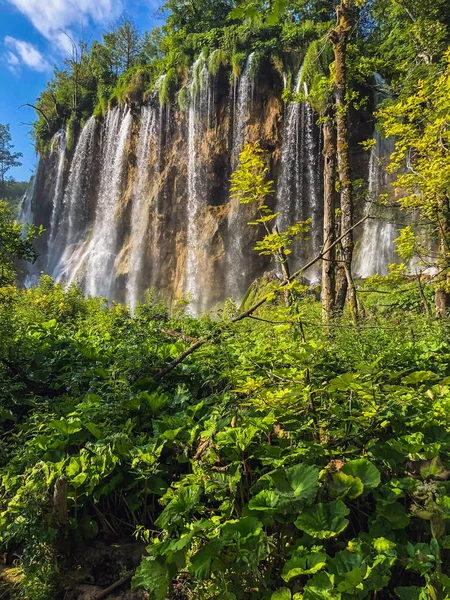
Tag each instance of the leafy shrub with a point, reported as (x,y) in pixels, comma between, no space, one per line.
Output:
(263,467)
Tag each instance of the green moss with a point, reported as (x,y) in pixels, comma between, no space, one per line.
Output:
(237,62)
(72,124)
(167,87)
(316,74)
(278,65)
(218,58)
(255,66)
(183,98)
(131,86)
(101,108)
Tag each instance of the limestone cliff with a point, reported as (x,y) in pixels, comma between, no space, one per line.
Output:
(142,198)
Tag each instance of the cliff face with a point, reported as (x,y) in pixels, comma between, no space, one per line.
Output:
(142,198)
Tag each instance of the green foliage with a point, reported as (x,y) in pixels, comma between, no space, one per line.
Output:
(262,464)
(316,74)
(167,87)
(13,193)
(249,183)
(8,158)
(217,59)
(14,244)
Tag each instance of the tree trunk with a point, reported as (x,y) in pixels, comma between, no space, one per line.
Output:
(329,253)
(60,517)
(339,39)
(442,296)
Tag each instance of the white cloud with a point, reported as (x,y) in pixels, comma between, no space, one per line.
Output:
(24,53)
(49,17)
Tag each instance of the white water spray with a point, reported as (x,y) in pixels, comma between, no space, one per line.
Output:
(377,242)
(140,206)
(102,250)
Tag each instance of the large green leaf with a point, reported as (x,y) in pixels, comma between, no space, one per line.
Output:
(201,561)
(243,529)
(320,587)
(66,427)
(350,569)
(266,501)
(395,514)
(411,593)
(298,483)
(364,470)
(324,520)
(305,563)
(152,576)
(282,594)
(419,377)
(342,485)
(343,562)
(184,502)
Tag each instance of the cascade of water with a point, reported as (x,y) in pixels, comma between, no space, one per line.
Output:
(241,114)
(193,183)
(140,207)
(312,174)
(26,215)
(198,122)
(58,150)
(289,188)
(74,219)
(299,183)
(102,248)
(236,267)
(377,241)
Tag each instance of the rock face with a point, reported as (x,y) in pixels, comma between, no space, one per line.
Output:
(142,199)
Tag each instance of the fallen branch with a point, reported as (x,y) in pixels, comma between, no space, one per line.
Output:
(179,335)
(248,313)
(119,583)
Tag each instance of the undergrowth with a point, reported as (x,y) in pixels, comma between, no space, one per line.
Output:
(268,465)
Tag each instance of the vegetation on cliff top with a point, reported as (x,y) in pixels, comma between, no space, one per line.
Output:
(125,66)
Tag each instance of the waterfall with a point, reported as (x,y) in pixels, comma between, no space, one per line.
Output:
(236,271)
(198,123)
(241,114)
(289,188)
(140,206)
(25,215)
(75,199)
(102,248)
(312,175)
(299,186)
(59,151)
(377,249)
(74,218)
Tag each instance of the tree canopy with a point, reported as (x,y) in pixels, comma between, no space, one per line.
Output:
(8,158)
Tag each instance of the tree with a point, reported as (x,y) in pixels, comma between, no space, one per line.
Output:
(124,44)
(195,16)
(339,38)
(151,45)
(421,129)
(250,185)
(329,221)
(8,158)
(14,245)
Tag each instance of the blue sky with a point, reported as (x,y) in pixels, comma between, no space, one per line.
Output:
(31,43)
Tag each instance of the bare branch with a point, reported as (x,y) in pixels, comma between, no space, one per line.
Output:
(37,109)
